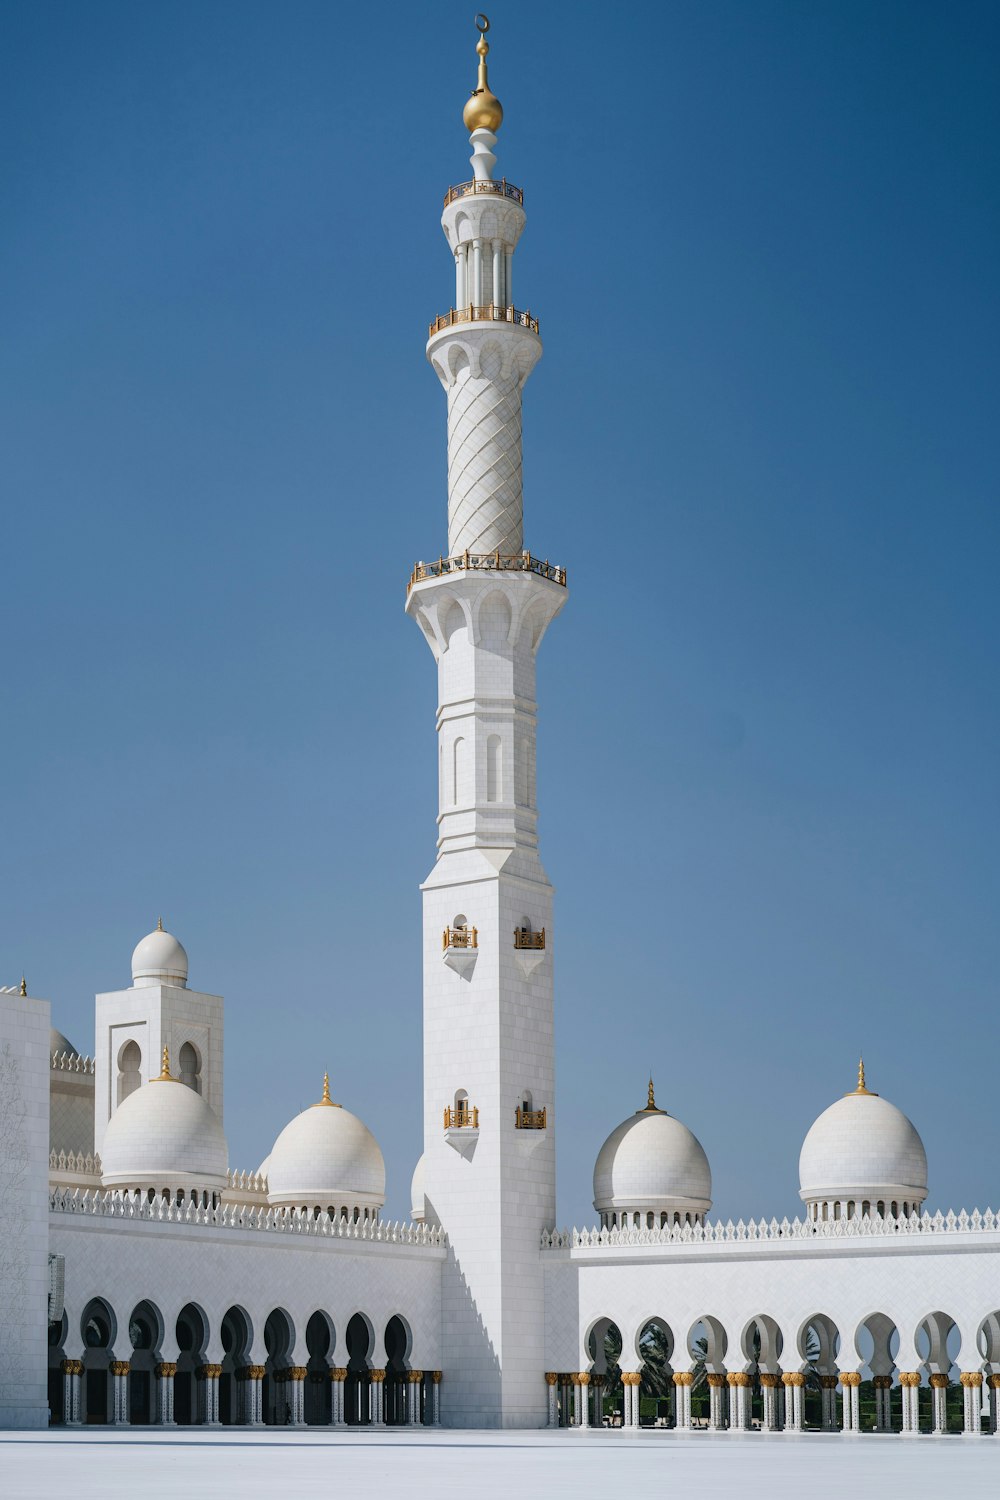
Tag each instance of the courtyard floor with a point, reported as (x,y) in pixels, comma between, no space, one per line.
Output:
(489,1465)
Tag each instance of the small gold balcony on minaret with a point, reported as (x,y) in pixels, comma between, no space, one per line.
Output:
(524,938)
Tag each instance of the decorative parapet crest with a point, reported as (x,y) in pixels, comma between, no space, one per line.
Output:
(71,1062)
(113,1205)
(86,1164)
(763,1231)
(247,1182)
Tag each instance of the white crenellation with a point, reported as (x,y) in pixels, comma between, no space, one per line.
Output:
(986,1221)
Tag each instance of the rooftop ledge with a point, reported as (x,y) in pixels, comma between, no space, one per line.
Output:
(501,189)
(486,314)
(487,562)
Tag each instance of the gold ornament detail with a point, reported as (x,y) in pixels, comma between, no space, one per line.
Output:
(378,1376)
(861,1088)
(338,1373)
(793,1378)
(165,1074)
(848,1378)
(24,988)
(738,1378)
(939,1382)
(971,1379)
(165,1370)
(120,1367)
(716,1380)
(882,1382)
(770,1381)
(436,1377)
(326,1100)
(483,110)
(909,1377)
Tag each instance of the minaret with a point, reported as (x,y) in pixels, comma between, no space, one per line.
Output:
(489,1149)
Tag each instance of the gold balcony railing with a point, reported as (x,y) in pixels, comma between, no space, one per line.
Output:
(462,1117)
(488,313)
(460,937)
(487,562)
(501,189)
(529,1119)
(525,938)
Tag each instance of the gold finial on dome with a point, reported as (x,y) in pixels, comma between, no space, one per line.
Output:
(159,924)
(651,1105)
(326,1095)
(165,1074)
(24,986)
(861,1089)
(483,110)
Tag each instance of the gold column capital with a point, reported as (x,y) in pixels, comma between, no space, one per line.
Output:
(716,1380)
(738,1378)
(165,1370)
(993,1381)
(683,1377)
(794,1378)
(909,1377)
(378,1376)
(584,1377)
(255,1372)
(72,1366)
(882,1382)
(338,1372)
(436,1377)
(414,1376)
(847,1378)
(296,1372)
(551,1377)
(971,1378)
(120,1367)
(770,1381)
(208,1372)
(940,1382)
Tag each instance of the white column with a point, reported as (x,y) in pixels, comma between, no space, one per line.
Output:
(165,1372)
(508,278)
(462,276)
(576,1400)
(476,290)
(208,1394)
(993,1382)
(436,1398)
(717,1402)
(851,1381)
(416,1377)
(972,1385)
(939,1389)
(499,299)
(296,1385)
(584,1389)
(769,1388)
(793,1384)
(910,1382)
(119,1392)
(684,1407)
(883,1385)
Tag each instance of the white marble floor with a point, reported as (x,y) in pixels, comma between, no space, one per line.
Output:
(487,1466)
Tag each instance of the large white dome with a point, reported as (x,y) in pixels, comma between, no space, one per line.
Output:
(159,959)
(652,1166)
(863,1150)
(326,1158)
(164,1135)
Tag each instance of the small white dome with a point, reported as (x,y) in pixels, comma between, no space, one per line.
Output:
(265,1166)
(863,1149)
(326,1158)
(418,1208)
(652,1164)
(164,1135)
(60,1044)
(159,959)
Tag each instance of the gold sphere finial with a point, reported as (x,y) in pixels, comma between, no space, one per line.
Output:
(332,1103)
(165,1074)
(483,110)
(24,986)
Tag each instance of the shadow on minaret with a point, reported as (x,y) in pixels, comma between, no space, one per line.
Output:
(473,1393)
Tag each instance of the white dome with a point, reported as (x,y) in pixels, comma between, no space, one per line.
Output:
(159,959)
(164,1135)
(863,1149)
(652,1164)
(418,1208)
(265,1166)
(326,1158)
(60,1044)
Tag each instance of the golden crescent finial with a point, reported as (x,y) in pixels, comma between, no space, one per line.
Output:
(483,110)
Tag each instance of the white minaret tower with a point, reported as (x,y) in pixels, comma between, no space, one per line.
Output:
(489,1149)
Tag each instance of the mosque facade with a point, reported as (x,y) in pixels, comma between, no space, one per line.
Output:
(144,1280)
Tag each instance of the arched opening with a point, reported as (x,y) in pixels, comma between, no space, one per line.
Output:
(357,1387)
(129,1070)
(876,1342)
(940,1400)
(494,768)
(192,1337)
(707,1344)
(98,1329)
(145,1332)
(395,1389)
(57,1353)
(279,1341)
(819,1346)
(189,1063)
(761,1343)
(317,1398)
(237,1341)
(604,1350)
(458,762)
(654,1345)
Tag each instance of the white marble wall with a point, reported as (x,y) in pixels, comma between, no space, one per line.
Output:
(24,1160)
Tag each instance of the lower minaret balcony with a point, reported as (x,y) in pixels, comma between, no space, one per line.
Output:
(487,562)
(529,949)
(530,1119)
(461,1127)
(460,947)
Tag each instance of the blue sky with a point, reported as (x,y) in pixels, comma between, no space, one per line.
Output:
(762,242)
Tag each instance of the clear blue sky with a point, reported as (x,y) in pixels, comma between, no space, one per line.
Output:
(763,243)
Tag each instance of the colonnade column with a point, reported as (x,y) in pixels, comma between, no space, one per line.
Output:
(296,1377)
(972,1419)
(253,1395)
(165,1372)
(851,1381)
(435,1398)
(72,1373)
(119,1392)
(828,1403)
(993,1384)
(883,1410)
(462,276)
(739,1400)
(551,1378)
(769,1386)
(630,1390)
(378,1398)
(476,290)
(584,1388)
(794,1383)
(576,1399)
(597,1384)
(939,1398)
(416,1380)
(338,1374)
(208,1394)
(683,1381)
(717,1402)
(910,1382)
